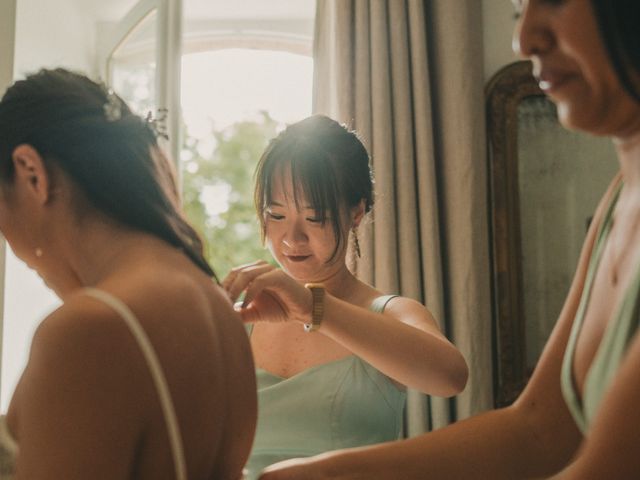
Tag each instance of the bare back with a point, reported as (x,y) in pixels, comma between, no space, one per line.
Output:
(102,402)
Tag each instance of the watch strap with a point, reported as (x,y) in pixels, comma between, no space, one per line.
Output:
(317,306)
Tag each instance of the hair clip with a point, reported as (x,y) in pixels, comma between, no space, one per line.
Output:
(158,124)
(112,107)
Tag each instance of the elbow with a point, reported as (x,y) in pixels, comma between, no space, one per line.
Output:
(461,375)
(453,379)
(457,377)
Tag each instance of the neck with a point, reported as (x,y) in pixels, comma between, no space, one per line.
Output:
(628,149)
(96,249)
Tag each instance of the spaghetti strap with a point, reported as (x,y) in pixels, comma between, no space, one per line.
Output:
(379,303)
(155,368)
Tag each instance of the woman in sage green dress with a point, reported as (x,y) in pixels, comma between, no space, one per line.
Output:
(333,359)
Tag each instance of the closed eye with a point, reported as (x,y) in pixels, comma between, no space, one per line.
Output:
(274,216)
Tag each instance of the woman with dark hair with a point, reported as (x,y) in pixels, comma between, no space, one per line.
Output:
(333,354)
(578,416)
(145,371)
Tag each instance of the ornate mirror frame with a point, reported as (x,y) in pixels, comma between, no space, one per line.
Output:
(504,93)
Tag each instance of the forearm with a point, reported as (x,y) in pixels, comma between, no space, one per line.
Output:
(495,445)
(409,355)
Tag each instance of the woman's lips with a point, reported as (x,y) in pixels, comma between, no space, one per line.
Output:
(297,258)
(551,81)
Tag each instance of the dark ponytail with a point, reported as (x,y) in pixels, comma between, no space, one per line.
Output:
(110,153)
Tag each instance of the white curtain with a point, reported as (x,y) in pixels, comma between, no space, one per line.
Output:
(407,75)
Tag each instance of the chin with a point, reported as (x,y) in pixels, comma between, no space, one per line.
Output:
(577,119)
(301,275)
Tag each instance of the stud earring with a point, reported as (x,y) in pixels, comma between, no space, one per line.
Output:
(39,252)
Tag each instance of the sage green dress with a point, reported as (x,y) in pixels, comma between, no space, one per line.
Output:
(615,340)
(340,404)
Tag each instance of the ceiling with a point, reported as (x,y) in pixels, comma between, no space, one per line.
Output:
(113,10)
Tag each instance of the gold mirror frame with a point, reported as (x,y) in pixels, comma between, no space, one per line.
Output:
(504,93)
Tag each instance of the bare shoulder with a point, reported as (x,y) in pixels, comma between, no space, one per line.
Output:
(81,355)
(163,296)
(83,326)
(411,312)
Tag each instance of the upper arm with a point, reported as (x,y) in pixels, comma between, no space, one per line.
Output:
(78,415)
(413,313)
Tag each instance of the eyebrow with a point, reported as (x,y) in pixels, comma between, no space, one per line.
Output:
(278,204)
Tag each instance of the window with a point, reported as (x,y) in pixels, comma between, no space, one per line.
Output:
(246,72)
(234,101)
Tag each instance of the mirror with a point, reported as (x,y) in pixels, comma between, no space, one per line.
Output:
(545,183)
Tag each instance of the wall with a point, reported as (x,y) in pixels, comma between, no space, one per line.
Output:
(7,37)
(52,33)
(498,20)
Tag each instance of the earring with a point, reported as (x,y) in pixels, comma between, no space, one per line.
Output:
(39,252)
(356,243)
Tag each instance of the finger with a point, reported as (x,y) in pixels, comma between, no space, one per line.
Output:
(233,273)
(271,280)
(228,279)
(248,314)
(245,277)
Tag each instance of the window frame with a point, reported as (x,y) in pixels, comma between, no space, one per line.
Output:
(168,57)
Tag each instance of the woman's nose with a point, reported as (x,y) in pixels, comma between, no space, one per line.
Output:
(295,235)
(532,35)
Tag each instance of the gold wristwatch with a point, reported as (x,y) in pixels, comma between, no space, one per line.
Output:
(317,306)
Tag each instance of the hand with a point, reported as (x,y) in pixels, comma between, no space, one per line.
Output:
(294,469)
(270,294)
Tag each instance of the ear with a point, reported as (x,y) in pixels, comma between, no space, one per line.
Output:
(357,213)
(31,172)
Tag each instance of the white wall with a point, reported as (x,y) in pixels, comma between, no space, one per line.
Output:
(498,19)
(7,37)
(52,33)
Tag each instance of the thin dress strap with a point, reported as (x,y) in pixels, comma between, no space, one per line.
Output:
(156,373)
(379,303)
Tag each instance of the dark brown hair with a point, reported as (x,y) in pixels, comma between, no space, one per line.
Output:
(329,168)
(618,24)
(113,157)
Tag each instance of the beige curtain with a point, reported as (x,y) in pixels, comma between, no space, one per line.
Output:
(407,75)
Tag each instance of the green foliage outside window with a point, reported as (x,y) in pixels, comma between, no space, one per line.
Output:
(230,229)
(221,178)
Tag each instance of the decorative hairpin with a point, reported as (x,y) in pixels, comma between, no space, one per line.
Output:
(158,124)
(112,107)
